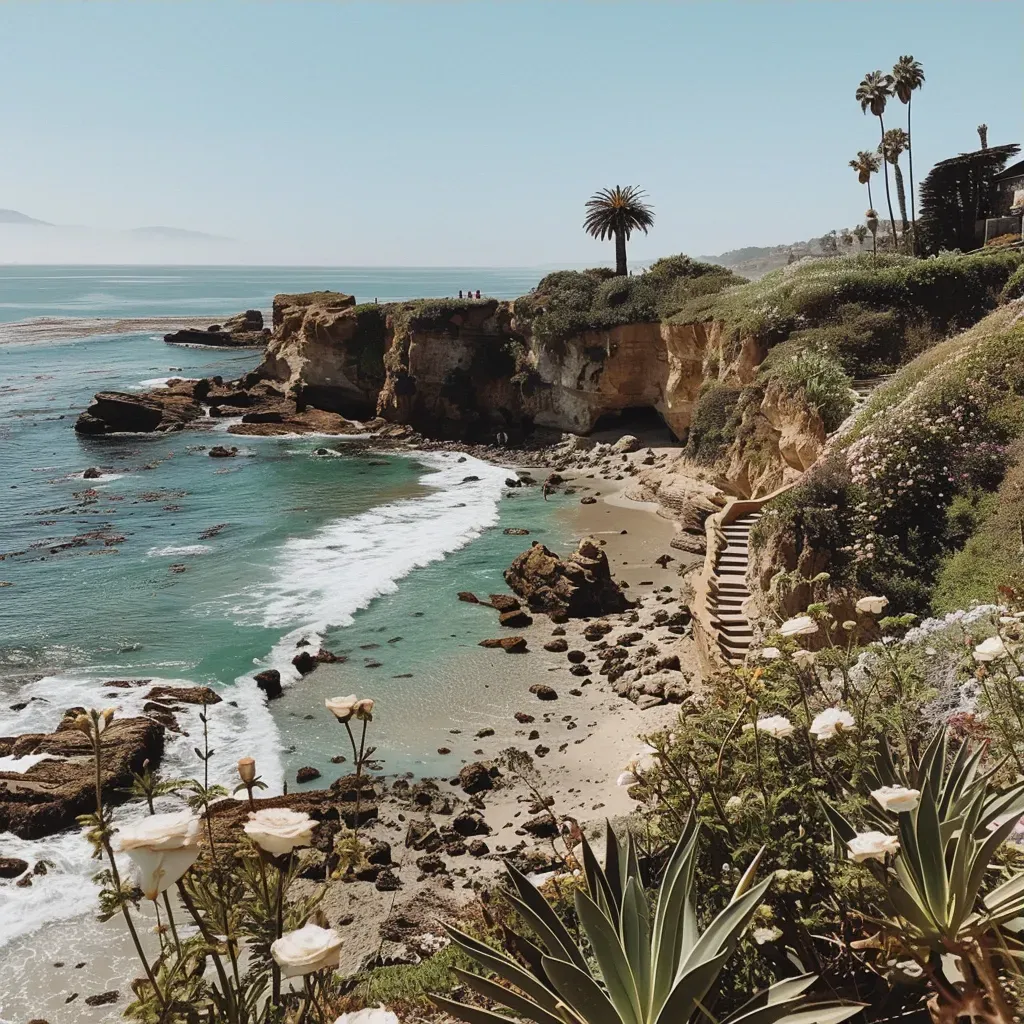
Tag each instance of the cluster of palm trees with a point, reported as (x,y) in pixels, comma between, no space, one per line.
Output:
(873,94)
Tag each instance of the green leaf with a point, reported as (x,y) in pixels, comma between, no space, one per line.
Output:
(470,1014)
(840,826)
(612,857)
(690,989)
(579,990)
(616,970)
(543,919)
(725,930)
(635,936)
(506,997)
(820,1013)
(597,883)
(932,854)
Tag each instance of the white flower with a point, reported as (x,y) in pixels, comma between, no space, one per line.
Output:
(279,830)
(830,722)
(734,803)
(626,779)
(770,653)
(803,659)
(871,846)
(802,625)
(896,798)
(991,649)
(162,846)
(872,605)
(344,708)
(763,935)
(368,1015)
(643,760)
(307,949)
(774,725)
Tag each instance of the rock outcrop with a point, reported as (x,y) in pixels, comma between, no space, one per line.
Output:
(117,412)
(49,796)
(577,586)
(244,330)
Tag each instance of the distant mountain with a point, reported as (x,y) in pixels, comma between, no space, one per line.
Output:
(755,261)
(14,217)
(176,234)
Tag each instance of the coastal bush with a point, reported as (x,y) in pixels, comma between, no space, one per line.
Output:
(1014,287)
(824,384)
(714,422)
(567,303)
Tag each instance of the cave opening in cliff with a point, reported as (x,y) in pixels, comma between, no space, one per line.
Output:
(642,420)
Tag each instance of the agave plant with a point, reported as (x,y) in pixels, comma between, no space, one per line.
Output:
(636,967)
(947,846)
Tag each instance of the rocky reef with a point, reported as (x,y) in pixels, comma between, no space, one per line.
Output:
(245,330)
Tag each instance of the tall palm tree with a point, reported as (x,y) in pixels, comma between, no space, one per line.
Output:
(872,94)
(894,145)
(907,76)
(617,213)
(983,135)
(867,163)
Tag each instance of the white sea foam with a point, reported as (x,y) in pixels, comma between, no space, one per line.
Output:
(173,551)
(23,763)
(67,890)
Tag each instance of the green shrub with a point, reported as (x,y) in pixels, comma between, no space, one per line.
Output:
(714,422)
(1014,287)
(825,386)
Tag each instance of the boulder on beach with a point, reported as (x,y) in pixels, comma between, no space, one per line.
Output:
(476,777)
(269,681)
(578,586)
(509,644)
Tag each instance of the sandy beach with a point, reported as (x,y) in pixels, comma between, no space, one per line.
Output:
(579,743)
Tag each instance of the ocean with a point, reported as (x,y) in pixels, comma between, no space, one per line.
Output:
(182,568)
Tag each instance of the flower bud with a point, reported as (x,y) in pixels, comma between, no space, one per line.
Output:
(246,769)
(105,718)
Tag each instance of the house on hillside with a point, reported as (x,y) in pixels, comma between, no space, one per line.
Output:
(1007,204)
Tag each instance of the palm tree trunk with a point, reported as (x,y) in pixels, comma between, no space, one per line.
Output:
(901,196)
(888,196)
(871,205)
(910,160)
(621,270)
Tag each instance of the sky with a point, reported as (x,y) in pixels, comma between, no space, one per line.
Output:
(470,133)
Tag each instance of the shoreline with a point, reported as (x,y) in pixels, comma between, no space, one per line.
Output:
(64,328)
(589,733)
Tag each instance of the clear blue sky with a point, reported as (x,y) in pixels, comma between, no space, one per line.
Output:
(471,133)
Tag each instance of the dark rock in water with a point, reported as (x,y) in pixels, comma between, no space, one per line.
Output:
(219,451)
(578,586)
(513,481)
(307,774)
(505,602)
(266,416)
(116,412)
(48,797)
(517,619)
(269,681)
(559,646)
(184,694)
(543,691)
(103,999)
(304,662)
(92,473)
(240,331)
(469,597)
(250,320)
(476,777)
(11,867)
(516,531)
(470,479)
(509,644)
(588,500)
(24,882)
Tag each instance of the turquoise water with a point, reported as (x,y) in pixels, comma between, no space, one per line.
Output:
(362,551)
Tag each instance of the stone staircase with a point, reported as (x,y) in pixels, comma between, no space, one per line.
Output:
(727,590)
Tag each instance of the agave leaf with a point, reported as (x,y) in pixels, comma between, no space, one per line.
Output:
(931,851)
(690,989)
(786,991)
(597,883)
(631,866)
(612,857)
(1010,801)
(472,1014)
(956,777)
(747,879)
(507,997)
(528,950)
(820,1013)
(982,858)
(616,969)
(675,923)
(962,856)
(635,936)
(840,826)
(908,905)
(1013,889)
(885,765)
(505,968)
(544,921)
(579,990)
(933,761)
(725,930)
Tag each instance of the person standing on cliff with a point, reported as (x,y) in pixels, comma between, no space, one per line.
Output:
(460,293)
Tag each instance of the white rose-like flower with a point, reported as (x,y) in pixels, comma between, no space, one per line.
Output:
(803,659)
(279,830)
(363,709)
(307,949)
(830,722)
(777,726)
(991,649)
(368,1015)
(871,846)
(343,708)
(872,605)
(769,653)
(802,625)
(898,799)
(763,935)
(162,846)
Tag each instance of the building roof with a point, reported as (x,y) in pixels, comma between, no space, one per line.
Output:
(1013,171)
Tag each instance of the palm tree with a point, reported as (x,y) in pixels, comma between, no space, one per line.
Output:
(867,163)
(617,213)
(983,135)
(894,145)
(861,233)
(872,94)
(908,75)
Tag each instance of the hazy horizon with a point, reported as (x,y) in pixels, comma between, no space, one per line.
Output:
(441,134)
